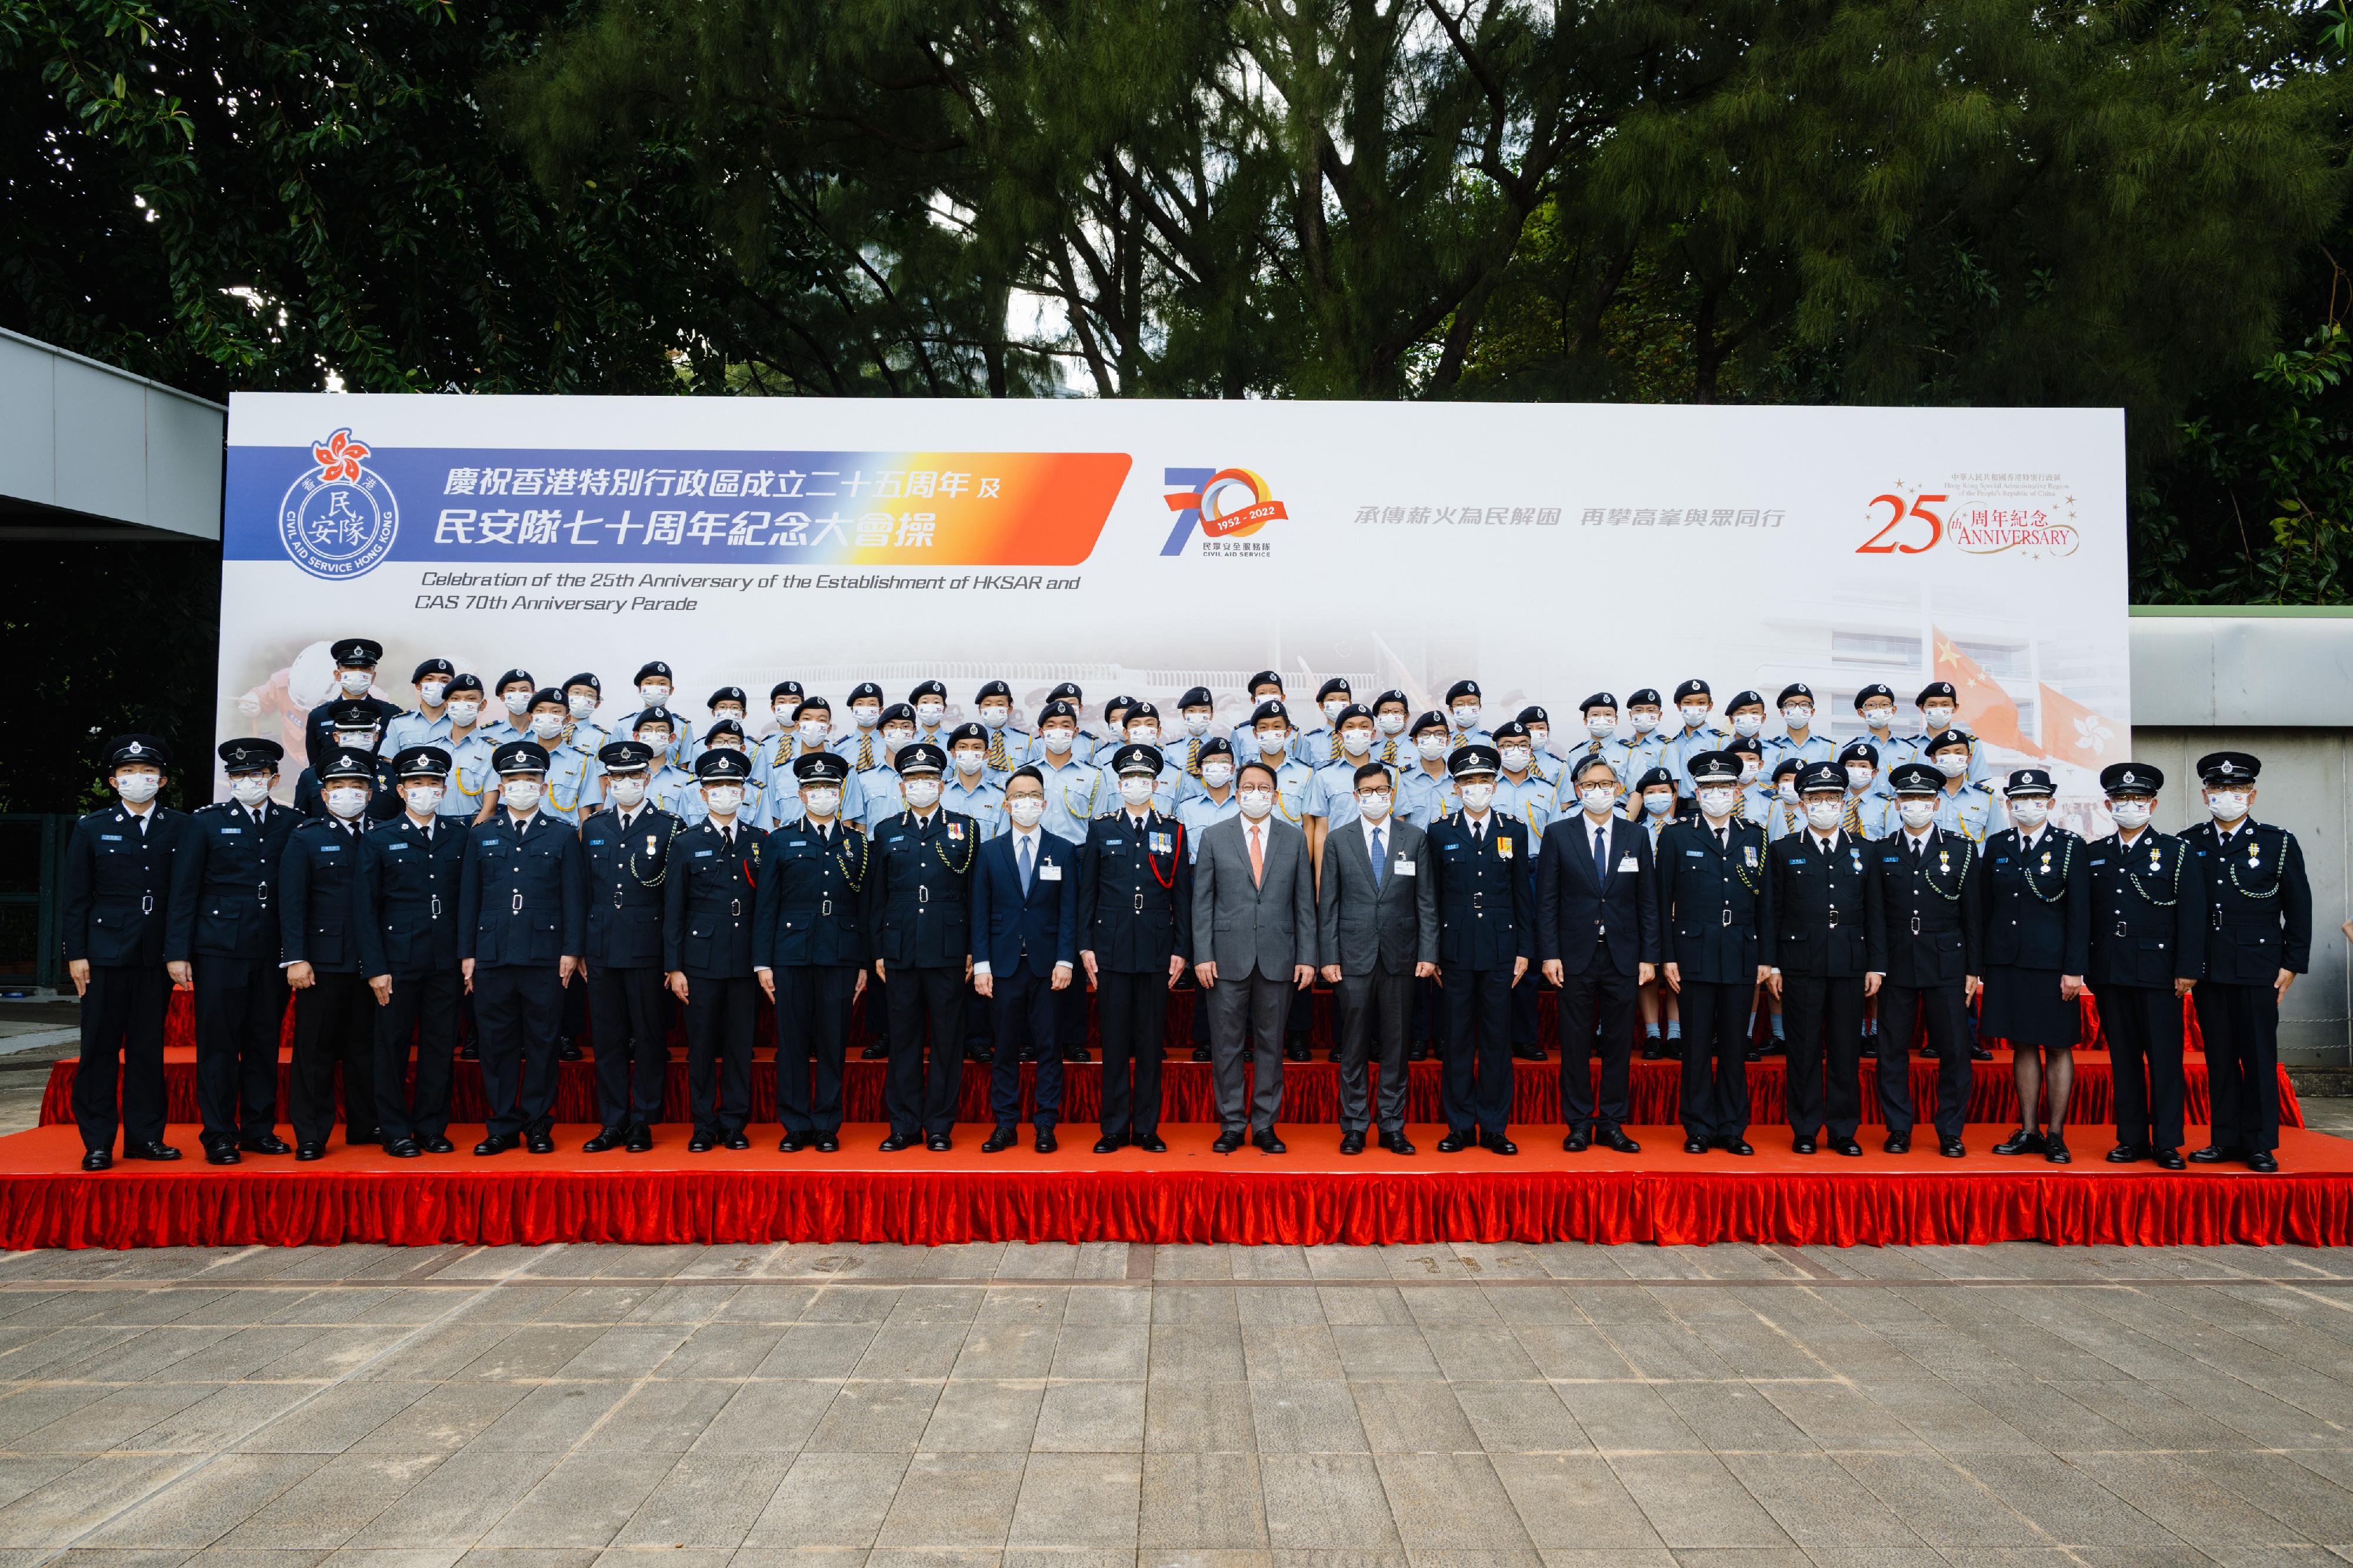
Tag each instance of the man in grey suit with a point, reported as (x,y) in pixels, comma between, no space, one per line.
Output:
(1254,940)
(1378,931)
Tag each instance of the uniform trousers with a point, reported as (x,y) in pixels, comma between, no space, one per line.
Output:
(719,1052)
(626,1022)
(1523,1012)
(122,1050)
(812,1011)
(1132,1011)
(1476,1082)
(1822,1017)
(516,1008)
(2143,1026)
(1601,997)
(1022,1014)
(1375,1009)
(240,1008)
(334,1025)
(926,1008)
(1714,1080)
(1245,1024)
(2240,1026)
(1070,1022)
(1940,1010)
(424,1006)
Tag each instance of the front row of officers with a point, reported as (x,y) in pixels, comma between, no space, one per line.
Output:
(381,917)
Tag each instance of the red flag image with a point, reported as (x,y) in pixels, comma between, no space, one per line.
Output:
(2073,733)
(1985,709)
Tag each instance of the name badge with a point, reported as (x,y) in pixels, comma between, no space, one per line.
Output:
(1404,868)
(595,844)
(1050,873)
(111,837)
(228,832)
(800,843)
(2099,862)
(393,848)
(330,848)
(1694,855)
(1629,864)
(1114,843)
(704,854)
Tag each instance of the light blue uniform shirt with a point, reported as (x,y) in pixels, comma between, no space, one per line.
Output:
(1532,802)
(861,748)
(1676,752)
(673,789)
(571,780)
(1816,747)
(413,729)
(1332,792)
(984,802)
(1423,797)
(1291,783)
(879,799)
(1199,813)
(1076,794)
(470,777)
(1970,809)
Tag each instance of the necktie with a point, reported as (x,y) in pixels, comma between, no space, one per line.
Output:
(1027,840)
(997,750)
(1852,820)
(1258,860)
(866,748)
(1193,756)
(1724,839)
(1601,855)
(1381,858)
(1389,753)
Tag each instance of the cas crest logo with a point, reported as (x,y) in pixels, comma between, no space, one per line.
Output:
(339,519)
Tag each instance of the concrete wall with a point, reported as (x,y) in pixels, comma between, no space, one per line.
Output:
(88,439)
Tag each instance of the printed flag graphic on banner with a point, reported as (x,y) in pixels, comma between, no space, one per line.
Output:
(1985,709)
(2073,733)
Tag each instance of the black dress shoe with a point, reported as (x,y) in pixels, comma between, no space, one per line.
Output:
(939,1143)
(1045,1143)
(2054,1149)
(1112,1143)
(2022,1142)
(469,1052)
(1674,1050)
(2214,1154)
(1227,1142)
(998,1140)
(701,1144)
(1152,1143)
(1267,1141)
(975,1054)
(736,1139)
(98,1160)
(1297,1054)
(895,1142)
(2262,1160)
(437,1144)
(539,1141)
(1615,1138)
(1076,1054)
(1696,1145)
(1898,1143)
(354,1137)
(310,1150)
(1739,1146)
(1396,1142)
(151,1149)
(1751,1055)
(1979,1054)
(1848,1147)
(1200,1053)
(1352,1142)
(1454,1142)
(610,1138)
(268,1143)
(1577,1141)
(1650,1051)
(1951,1148)
(2170,1159)
(403,1148)
(567,1052)
(829,1143)
(1801,1146)
(1416,1053)
(640,1138)
(2123,1154)
(1527,1053)
(1499,1145)
(222,1154)
(792,1143)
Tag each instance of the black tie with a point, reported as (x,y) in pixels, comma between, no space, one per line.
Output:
(1601,855)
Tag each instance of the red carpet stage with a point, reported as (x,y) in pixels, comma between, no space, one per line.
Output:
(1311,1195)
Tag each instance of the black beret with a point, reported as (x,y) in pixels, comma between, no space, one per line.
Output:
(653,668)
(432,666)
(354,652)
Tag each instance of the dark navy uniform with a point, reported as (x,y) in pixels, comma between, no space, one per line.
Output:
(1134,912)
(320,919)
(2258,923)
(1714,900)
(1925,942)
(408,888)
(628,865)
(522,909)
(2149,915)
(309,799)
(1819,940)
(711,896)
(224,924)
(118,884)
(2037,912)
(918,927)
(811,936)
(1486,925)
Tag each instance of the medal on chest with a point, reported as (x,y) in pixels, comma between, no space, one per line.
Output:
(1944,860)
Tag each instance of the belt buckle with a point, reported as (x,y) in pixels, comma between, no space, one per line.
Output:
(1139,902)
(825,905)
(1915,925)
(516,908)
(1727,917)
(435,900)
(1478,901)
(922,893)
(735,906)
(147,903)
(616,898)
(2120,930)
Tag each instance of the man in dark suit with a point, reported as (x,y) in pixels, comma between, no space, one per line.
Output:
(1923,948)
(1713,899)
(809,949)
(1376,916)
(2147,949)
(320,919)
(626,849)
(521,920)
(1253,945)
(1136,937)
(1819,947)
(1025,915)
(222,939)
(1598,938)
(118,879)
(1486,934)
(918,922)
(710,907)
(410,873)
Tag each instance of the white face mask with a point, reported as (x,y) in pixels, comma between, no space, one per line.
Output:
(1916,813)
(2029,813)
(1389,723)
(1937,718)
(1516,759)
(357,740)
(1860,778)
(580,707)
(1747,770)
(1135,789)
(654,694)
(547,726)
(722,799)
(1538,736)
(1057,741)
(810,732)
(1431,746)
(627,789)
(657,740)
(970,762)
(1270,742)
(1333,708)
(820,802)
(1466,716)
(1374,804)
(894,738)
(1659,805)
(1824,813)
(347,802)
(1216,775)
(2132,816)
(1025,809)
(355,682)
(1694,714)
(930,713)
(1746,725)
(519,795)
(1644,720)
(783,713)
(138,788)
(996,715)
(2227,805)
(518,704)
(1596,800)
(1787,791)
(1257,802)
(430,692)
(1797,718)
(1952,764)
(1145,734)
(250,790)
(1717,802)
(1197,722)
(1477,797)
(866,715)
(1356,742)
(463,714)
(1879,718)
(423,799)
(922,794)
(1601,726)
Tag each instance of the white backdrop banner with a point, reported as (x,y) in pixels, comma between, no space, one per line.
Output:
(1546,551)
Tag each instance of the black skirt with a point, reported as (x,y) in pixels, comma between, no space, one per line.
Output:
(2024,1008)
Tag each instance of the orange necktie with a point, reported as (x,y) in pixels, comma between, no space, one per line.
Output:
(1258,861)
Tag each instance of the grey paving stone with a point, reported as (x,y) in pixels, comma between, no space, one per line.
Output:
(706,1500)
(1079,1499)
(1519,1417)
(1202,1502)
(583,1501)
(1412,1418)
(766,1416)
(1573,1502)
(985,1415)
(213,1499)
(1326,1502)
(1691,1500)
(456,1505)
(332,1503)
(829,1500)
(1183,1416)
(1308,1416)
(1450,1502)
(954,1501)
(877,1418)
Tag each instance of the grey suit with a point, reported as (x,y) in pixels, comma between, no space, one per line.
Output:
(1255,931)
(1375,930)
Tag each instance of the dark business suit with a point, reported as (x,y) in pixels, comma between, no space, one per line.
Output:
(627,868)
(1256,928)
(1135,913)
(118,887)
(1022,933)
(1924,940)
(1820,939)
(1713,900)
(2148,925)
(409,891)
(1486,923)
(1599,921)
(2258,923)
(522,909)
(223,925)
(1376,920)
(320,919)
